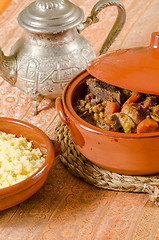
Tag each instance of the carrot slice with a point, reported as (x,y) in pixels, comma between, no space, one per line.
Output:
(147,125)
(147,102)
(133,98)
(111,108)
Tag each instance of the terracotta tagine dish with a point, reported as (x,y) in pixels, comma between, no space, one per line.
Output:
(16,193)
(123,137)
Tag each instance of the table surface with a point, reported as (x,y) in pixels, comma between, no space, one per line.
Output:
(66,207)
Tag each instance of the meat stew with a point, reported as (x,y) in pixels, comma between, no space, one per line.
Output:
(116,109)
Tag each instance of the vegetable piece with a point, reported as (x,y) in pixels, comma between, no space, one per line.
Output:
(147,102)
(155,109)
(155,113)
(133,98)
(111,107)
(147,125)
(154,117)
(151,101)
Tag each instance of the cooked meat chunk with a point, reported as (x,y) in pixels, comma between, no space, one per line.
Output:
(117,122)
(109,92)
(135,111)
(110,123)
(126,122)
(106,85)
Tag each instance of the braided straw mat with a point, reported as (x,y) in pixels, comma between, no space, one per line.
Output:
(82,167)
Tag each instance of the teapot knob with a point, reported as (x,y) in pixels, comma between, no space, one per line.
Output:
(50,16)
(154,40)
(117,27)
(49,4)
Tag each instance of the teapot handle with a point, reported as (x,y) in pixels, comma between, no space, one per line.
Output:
(118,25)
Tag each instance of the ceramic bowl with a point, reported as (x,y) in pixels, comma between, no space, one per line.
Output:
(131,154)
(17,193)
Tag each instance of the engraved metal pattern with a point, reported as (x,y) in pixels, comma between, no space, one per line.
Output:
(46,75)
(49,4)
(42,64)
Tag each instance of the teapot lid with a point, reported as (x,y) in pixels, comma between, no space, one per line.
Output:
(136,69)
(50,16)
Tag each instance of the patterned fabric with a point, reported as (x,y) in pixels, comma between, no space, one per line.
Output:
(66,207)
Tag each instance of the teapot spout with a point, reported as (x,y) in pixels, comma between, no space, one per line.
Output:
(8,68)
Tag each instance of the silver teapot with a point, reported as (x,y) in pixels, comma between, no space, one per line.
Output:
(52,50)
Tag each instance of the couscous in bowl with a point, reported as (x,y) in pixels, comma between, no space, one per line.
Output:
(16,193)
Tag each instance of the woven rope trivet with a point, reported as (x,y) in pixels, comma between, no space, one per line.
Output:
(82,167)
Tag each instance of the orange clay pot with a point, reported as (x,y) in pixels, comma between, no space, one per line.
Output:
(131,154)
(17,193)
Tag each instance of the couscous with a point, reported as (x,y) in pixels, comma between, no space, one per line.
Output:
(18,159)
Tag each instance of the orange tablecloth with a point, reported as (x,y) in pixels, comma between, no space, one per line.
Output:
(67,207)
(3,5)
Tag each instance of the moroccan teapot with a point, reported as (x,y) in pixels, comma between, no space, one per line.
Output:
(52,51)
